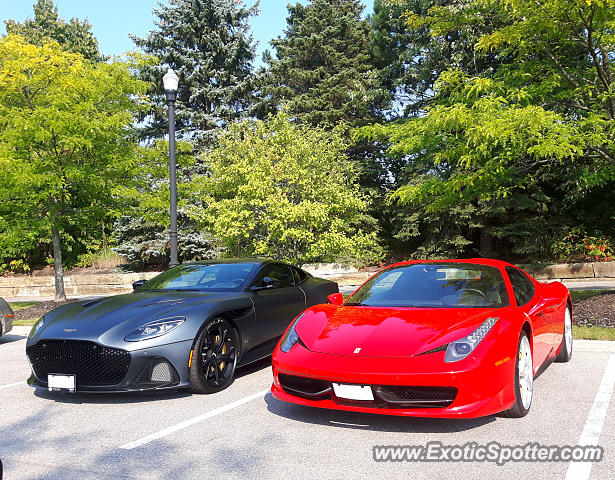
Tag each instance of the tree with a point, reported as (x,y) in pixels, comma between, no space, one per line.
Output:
(65,143)
(322,71)
(281,189)
(522,145)
(411,55)
(141,233)
(207,42)
(74,36)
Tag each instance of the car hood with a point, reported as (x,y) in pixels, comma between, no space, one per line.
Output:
(386,332)
(121,313)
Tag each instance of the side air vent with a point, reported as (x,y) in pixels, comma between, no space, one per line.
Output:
(239,312)
(91,303)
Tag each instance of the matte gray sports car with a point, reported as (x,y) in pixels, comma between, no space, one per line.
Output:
(6,317)
(190,326)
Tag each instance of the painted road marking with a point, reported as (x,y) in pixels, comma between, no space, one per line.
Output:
(13,347)
(595,421)
(192,421)
(23,382)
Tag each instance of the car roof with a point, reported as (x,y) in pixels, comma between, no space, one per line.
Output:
(250,260)
(492,262)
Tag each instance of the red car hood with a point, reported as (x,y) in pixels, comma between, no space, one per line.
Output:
(386,332)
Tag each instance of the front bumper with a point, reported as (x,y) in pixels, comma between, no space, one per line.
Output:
(139,373)
(482,387)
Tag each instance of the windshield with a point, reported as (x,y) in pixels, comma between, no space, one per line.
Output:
(433,285)
(218,277)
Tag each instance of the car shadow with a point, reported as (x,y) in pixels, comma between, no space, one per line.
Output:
(253,367)
(10,338)
(372,422)
(110,398)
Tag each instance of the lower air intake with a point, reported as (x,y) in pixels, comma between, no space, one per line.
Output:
(423,397)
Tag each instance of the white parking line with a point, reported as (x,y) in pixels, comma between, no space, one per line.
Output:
(20,346)
(23,382)
(192,421)
(595,421)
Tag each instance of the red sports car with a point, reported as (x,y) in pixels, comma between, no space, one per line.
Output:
(458,338)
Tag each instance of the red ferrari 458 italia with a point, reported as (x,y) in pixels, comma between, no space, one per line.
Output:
(459,338)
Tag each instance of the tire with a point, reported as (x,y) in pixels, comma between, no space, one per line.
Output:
(524,379)
(214,357)
(565,350)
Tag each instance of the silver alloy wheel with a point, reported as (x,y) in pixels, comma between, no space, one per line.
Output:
(526,373)
(568,331)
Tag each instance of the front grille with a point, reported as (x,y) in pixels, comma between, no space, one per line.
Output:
(417,396)
(304,387)
(91,363)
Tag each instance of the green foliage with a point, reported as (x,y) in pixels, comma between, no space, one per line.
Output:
(103,259)
(74,36)
(578,246)
(65,145)
(280,189)
(322,71)
(208,44)
(141,234)
(523,142)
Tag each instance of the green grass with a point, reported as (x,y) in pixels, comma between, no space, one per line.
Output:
(578,295)
(594,333)
(25,323)
(21,305)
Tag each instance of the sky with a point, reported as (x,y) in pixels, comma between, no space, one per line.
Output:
(113,20)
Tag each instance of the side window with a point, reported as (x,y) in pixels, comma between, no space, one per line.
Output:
(282,273)
(523,287)
(300,275)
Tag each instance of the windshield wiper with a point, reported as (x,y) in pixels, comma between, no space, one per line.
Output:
(355,304)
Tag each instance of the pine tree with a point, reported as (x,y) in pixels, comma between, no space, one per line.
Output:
(74,36)
(411,57)
(208,44)
(322,71)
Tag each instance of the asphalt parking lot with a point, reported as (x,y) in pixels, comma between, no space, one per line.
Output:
(243,432)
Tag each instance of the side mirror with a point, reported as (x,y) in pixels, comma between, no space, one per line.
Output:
(336,299)
(267,283)
(138,284)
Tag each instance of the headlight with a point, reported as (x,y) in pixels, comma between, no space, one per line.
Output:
(37,326)
(291,336)
(460,349)
(154,329)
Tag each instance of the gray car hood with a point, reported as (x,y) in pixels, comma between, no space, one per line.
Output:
(108,320)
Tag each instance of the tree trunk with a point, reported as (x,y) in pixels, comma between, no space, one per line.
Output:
(57,264)
(486,243)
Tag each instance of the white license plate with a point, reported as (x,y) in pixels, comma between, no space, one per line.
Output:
(353,392)
(61,382)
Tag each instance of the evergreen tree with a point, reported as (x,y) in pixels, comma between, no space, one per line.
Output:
(322,70)
(74,36)
(208,44)
(410,56)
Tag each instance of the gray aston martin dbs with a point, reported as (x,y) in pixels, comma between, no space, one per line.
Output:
(190,326)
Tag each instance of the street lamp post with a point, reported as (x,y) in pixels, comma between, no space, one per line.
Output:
(170,81)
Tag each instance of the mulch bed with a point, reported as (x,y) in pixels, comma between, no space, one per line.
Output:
(598,311)
(38,310)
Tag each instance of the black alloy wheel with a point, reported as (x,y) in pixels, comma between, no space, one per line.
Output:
(215,357)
